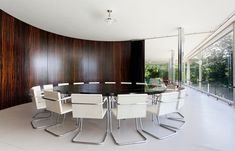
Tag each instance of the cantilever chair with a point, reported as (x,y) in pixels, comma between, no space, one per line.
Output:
(94,82)
(130,106)
(110,82)
(55,104)
(166,104)
(62,84)
(180,104)
(48,87)
(126,82)
(40,104)
(141,83)
(78,83)
(88,106)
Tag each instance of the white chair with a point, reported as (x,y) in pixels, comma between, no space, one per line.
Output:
(180,104)
(93,82)
(55,104)
(130,106)
(78,83)
(62,84)
(126,82)
(141,83)
(109,82)
(88,106)
(181,100)
(166,104)
(40,104)
(48,87)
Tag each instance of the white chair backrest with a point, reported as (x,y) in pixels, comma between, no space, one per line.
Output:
(78,83)
(48,87)
(37,98)
(131,105)
(87,98)
(36,91)
(126,82)
(109,82)
(167,103)
(53,102)
(169,96)
(87,106)
(62,84)
(141,83)
(181,98)
(93,82)
(132,98)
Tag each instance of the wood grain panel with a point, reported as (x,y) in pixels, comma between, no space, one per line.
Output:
(1,58)
(30,56)
(37,57)
(1,101)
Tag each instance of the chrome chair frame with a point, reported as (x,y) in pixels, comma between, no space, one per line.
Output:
(166,126)
(57,123)
(35,117)
(138,128)
(80,127)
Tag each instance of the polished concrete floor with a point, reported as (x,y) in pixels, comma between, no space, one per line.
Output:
(210,126)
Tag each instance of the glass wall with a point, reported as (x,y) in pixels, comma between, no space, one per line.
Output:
(194,71)
(153,71)
(216,68)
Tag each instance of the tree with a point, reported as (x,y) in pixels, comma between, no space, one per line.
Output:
(217,62)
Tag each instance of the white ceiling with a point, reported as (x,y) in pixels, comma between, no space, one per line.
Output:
(136,19)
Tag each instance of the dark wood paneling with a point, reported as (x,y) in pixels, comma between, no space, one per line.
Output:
(37,51)
(137,61)
(1,101)
(30,56)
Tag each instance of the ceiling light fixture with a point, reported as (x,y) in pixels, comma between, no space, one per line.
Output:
(109,19)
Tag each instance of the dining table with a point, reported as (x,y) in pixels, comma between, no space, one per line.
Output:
(109,89)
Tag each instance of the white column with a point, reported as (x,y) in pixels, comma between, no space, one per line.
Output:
(200,74)
(173,65)
(188,72)
(180,54)
(169,70)
(234,63)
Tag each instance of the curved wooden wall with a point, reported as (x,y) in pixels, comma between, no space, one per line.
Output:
(30,56)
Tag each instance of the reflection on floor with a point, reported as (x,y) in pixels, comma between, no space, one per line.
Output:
(210,125)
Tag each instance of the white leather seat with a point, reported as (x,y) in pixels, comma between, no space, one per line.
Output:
(130,106)
(141,83)
(40,104)
(56,104)
(109,82)
(166,104)
(48,87)
(78,83)
(126,82)
(62,84)
(88,106)
(94,82)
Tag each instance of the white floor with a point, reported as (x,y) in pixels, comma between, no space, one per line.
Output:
(210,126)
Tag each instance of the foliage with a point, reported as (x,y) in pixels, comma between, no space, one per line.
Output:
(156,71)
(216,62)
(194,72)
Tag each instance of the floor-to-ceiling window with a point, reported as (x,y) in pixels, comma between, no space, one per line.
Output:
(211,69)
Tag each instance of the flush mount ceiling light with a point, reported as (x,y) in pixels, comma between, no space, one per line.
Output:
(109,19)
